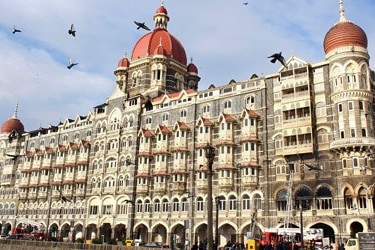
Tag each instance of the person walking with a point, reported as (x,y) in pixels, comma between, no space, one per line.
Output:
(342,247)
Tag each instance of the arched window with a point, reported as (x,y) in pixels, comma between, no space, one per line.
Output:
(245,202)
(227,104)
(200,204)
(323,199)
(157,206)
(232,203)
(165,205)
(282,197)
(175,205)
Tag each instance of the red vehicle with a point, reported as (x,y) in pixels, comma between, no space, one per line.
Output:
(270,236)
(27,227)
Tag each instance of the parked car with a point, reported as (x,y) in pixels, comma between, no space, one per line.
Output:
(154,245)
(30,237)
(14,237)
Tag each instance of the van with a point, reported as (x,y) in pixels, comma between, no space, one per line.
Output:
(352,244)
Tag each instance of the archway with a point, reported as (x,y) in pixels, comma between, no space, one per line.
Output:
(52,232)
(160,234)
(120,232)
(78,232)
(141,232)
(91,232)
(6,229)
(177,236)
(328,231)
(227,233)
(105,232)
(64,232)
(355,228)
(201,235)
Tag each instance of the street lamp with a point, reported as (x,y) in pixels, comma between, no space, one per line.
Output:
(210,154)
(132,218)
(218,206)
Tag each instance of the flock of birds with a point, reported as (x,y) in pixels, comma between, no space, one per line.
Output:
(141,25)
(72,31)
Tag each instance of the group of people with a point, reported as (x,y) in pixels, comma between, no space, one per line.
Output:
(229,246)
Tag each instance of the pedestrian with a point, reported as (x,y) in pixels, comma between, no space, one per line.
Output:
(342,247)
(201,246)
(195,246)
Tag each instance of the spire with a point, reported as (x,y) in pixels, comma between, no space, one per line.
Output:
(342,11)
(15,111)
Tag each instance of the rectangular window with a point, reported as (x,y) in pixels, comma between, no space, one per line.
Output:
(350,104)
(340,107)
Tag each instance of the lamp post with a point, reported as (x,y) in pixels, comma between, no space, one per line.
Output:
(210,154)
(301,225)
(73,204)
(132,217)
(217,199)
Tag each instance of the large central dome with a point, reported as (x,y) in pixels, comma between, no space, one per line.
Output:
(148,44)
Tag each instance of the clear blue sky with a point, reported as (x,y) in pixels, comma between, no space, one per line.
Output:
(226,39)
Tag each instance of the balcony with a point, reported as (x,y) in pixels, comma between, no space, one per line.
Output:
(178,188)
(350,142)
(142,189)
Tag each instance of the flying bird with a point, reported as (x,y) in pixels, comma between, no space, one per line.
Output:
(141,25)
(71,64)
(246,3)
(72,30)
(64,199)
(14,157)
(278,57)
(15,30)
(310,167)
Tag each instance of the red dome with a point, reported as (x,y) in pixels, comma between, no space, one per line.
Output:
(344,34)
(123,63)
(192,68)
(162,10)
(148,44)
(12,124)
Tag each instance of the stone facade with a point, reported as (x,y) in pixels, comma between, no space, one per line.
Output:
(135,167)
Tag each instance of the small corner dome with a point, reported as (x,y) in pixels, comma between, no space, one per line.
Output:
(192,68)
(12,124)
(123,63)
(162,10)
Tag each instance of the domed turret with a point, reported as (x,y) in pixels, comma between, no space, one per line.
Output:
(149,43)
(13,124)
(344,33)
(124,62)
(192,68)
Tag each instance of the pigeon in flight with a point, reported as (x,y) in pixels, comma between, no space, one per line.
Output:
(72,30)
(310,167)
(64,199)
(278,57)
(246,3)
(71,64)
(141,25)
(15,30)
(14,157)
